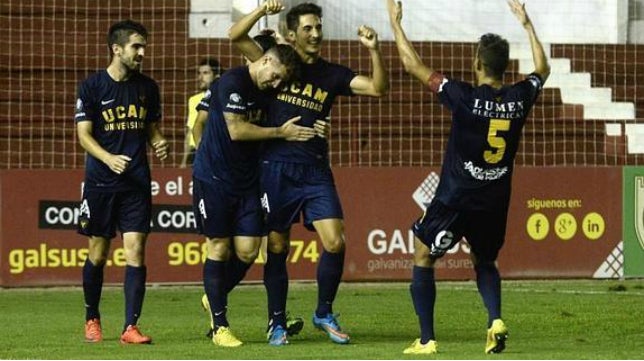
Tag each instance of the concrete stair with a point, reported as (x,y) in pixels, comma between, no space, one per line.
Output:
(576,88)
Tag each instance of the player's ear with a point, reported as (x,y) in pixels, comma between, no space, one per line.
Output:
(116,49)
(290,36)
(266,58)
(477,63)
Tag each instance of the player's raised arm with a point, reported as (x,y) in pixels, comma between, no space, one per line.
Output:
(408,55)
(378,84)
(541,65)
(238,33)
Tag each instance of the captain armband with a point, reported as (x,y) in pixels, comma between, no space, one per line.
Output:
(436,81)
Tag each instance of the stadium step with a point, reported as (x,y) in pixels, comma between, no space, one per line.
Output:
(576,87)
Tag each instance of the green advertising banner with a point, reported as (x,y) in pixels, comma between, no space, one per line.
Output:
(633,214)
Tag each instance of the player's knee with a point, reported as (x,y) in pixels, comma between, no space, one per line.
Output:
(134,256)
(97,252)
(422,255)
(336,245)
(248,255)
(218,250)
(277,245)
(98,259)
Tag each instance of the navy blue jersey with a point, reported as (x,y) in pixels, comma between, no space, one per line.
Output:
(311,97)
(483,141)
(235,163)
(120,112)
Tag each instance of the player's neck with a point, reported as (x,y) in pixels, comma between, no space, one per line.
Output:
(118,72)
(307,58)
(492,82)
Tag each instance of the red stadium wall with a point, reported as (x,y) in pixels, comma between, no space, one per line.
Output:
(555,229)
(50,46)
(382,149)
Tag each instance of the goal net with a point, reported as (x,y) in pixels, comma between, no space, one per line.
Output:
(590,113)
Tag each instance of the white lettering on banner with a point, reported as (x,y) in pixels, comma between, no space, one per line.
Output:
(63,215)
(176,219)
(379,242)
(381,264)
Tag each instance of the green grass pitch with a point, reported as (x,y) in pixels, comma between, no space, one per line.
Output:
(567,319)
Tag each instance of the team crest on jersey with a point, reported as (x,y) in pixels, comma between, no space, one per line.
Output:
(142,98)
(235,101)
(235,98)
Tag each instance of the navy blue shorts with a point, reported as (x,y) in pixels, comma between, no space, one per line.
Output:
(102,213)
(441,227)
(220,214)
(293,188)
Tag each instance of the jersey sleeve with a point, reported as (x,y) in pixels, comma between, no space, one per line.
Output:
(85,103)
(154,107)
(193,103)
(450,92)
(534,85)
(346,76)
(232,94)
(204,102)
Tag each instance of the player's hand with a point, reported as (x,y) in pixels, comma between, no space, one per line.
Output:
(395,11)
(296,133)
(272,7)
(323,128)
(161,148)
(118,162)
(368,37)
(518,9)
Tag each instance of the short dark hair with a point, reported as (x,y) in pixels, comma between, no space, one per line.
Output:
(265,41)
(287,55)
(293,15)
(213,64)
(494,54)
(120,32)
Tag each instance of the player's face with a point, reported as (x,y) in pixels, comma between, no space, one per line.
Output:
(205,77)
(131,55)
(308,36)
(271,74)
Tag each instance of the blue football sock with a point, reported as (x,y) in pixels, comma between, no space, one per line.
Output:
(276,284)
(214,282)
(423,294)
(134,287)
(329,274)
(235,272)
(488,282)
(92,288)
